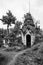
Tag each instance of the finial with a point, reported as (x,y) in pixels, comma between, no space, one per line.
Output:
(29,6)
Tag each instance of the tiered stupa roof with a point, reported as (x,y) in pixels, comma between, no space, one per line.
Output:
(28,23)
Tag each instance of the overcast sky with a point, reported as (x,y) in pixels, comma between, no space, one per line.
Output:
(20,7)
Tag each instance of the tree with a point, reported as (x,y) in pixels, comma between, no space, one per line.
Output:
(17,27)
(37,27)
(8,19)
(14,33)
(1,36)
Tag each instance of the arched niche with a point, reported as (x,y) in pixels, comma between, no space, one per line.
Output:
(28,40)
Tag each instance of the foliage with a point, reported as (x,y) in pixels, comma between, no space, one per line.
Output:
(1,36)
(17,28)
(8,19)
(33,56)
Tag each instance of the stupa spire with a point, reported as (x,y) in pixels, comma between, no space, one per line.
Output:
(29,6)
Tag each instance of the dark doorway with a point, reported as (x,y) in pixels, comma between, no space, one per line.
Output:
(28,40)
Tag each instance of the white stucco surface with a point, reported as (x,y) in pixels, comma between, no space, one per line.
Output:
(24,38)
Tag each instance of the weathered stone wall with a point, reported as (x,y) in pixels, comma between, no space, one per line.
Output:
(32,39)
(23,39)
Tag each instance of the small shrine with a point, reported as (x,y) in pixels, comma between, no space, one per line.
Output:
(28,31)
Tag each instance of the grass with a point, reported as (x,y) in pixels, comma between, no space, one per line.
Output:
(7,54)
(4,59)
(34,56)
(15,48)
